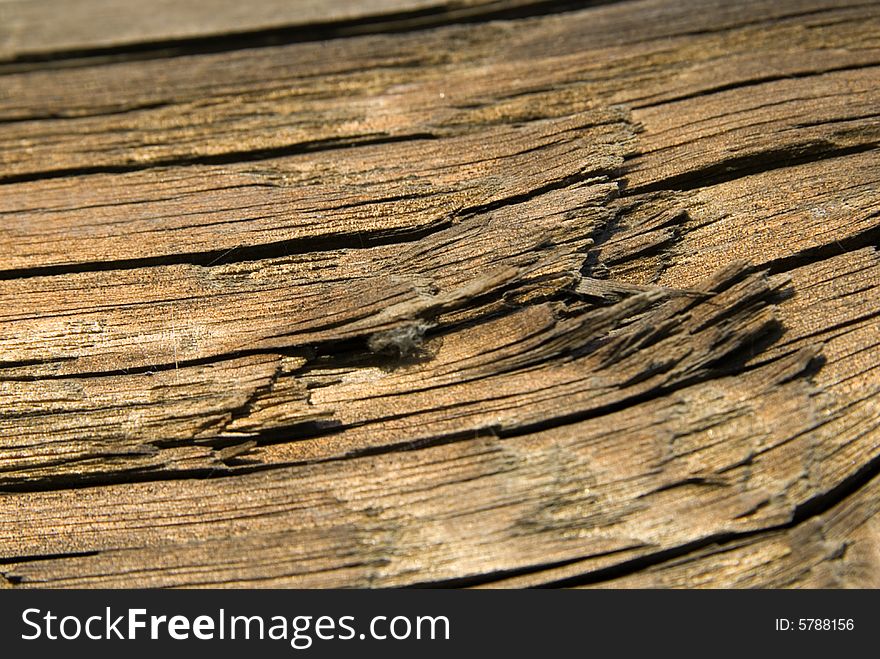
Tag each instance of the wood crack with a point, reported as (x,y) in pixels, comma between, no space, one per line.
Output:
(442,14)
(250,155)
(492,293)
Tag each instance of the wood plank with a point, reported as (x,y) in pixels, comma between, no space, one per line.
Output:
(315,296)
(699,137)
(30,29)
(251,103)
(834,443)
(311,202)
(676,469)
(579,297)
(838,549)
(822,207)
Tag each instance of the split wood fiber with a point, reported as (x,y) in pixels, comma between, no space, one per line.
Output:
(409,292)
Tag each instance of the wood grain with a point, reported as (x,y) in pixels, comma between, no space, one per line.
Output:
(30,29)
(474,294)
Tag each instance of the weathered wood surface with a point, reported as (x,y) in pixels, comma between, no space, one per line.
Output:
(575,296)
(31,30)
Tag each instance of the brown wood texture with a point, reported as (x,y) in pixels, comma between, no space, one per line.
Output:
(30,30)
(472,293)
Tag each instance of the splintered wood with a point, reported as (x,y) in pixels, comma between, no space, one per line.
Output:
(398,293)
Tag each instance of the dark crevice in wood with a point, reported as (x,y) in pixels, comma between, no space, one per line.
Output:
(598,175)
(227,158)
(811,508)
(110,478)
(33,362)
(645,562)
(137,370)
(5,560)
(391,23)
(841,120)
(56,116)
(488,578)
(852,243)
(640,399)
(242,254)
(825,501)
(286,248)
(810,370)
(752,82)
(782,17)
(736,168)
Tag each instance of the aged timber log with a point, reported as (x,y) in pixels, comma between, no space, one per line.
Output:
(408,292)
